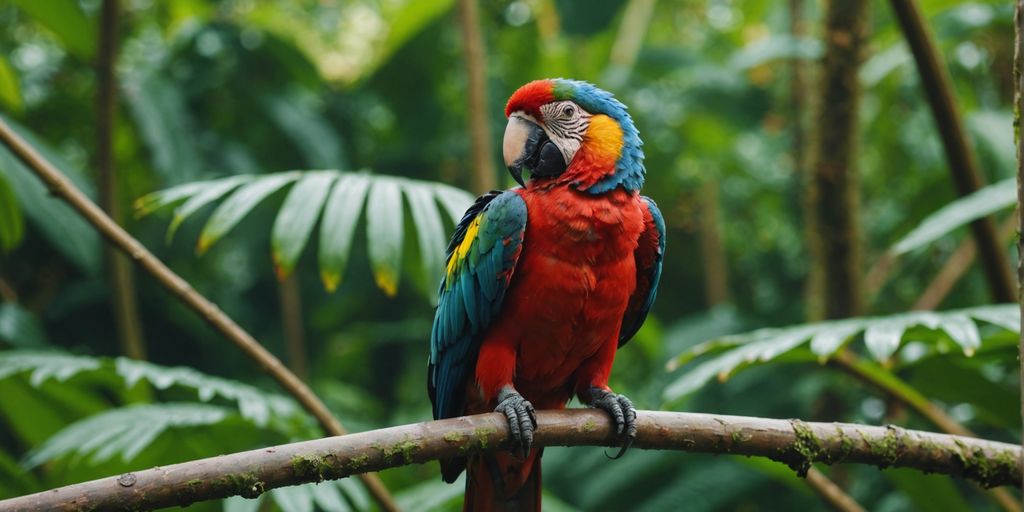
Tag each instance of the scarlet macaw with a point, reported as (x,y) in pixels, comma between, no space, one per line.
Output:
(545,282)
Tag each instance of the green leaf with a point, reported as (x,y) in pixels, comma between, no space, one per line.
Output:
(356,493)
(455,201)
(313,135)
(57,221)
(775,47)
(239,204)
(432,494)
(384,233)
(882,337)
(253,404)
(328,497)
(212,191)
(10,90)
(297,217)
(160,111)
(44,365)
(429,230)
(722,367)
(124,431)
(67,21)
(982,203)
(963,331)
(153,201)
(928,492)
(240,504)
(298,498)
(963,381)
(12,225)
(407,19)
(336,231)
(20,328)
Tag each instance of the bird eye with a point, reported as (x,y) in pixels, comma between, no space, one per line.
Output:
(568,111)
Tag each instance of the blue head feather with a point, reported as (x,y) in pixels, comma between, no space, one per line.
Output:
(629,169)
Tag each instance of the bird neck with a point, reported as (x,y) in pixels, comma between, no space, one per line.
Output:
(609,157)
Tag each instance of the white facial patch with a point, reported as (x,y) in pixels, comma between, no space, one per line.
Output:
(565,123)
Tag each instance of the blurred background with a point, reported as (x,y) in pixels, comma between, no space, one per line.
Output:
(215,102)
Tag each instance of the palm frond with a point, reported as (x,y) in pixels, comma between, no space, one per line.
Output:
(340,199)
(882,337)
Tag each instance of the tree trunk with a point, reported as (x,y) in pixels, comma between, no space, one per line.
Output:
(832,194)
(483,177)
(120,275)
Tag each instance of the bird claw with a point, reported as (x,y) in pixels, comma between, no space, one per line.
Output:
(522,419)
(622,412)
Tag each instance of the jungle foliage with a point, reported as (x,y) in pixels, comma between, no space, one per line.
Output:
(325,144)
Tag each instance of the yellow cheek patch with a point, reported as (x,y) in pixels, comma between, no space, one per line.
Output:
(463,249)
(604,138)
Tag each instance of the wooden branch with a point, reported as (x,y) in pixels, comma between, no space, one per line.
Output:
(963,165)
(793,442)
(61,187)
(909,397)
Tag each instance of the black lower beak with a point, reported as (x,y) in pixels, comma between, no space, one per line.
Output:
(539,155)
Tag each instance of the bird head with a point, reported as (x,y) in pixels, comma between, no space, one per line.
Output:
(569,131)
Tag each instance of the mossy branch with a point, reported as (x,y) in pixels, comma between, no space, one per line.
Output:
(793,442)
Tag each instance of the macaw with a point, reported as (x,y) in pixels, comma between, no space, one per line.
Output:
(544,282)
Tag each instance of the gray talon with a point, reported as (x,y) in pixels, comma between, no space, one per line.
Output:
(522,419)
(622,412)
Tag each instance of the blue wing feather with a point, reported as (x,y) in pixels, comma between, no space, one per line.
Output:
(471,293)
(649,256)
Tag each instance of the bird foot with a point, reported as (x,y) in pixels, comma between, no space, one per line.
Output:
(623,414)
(522,419)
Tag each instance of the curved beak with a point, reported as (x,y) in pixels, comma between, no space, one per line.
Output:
(526,145)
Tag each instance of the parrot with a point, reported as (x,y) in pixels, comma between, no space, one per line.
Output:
(544,282)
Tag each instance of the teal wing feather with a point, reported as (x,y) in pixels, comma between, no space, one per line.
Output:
(480,262)
(649,254)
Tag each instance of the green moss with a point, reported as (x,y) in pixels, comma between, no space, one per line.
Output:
(740,437)
(358,462)
(988,471)
(478,441)
(407,448)
(807,448)
(192,486)
(589,426)
(889,448)
(246,485)
(453,437)
(313,467)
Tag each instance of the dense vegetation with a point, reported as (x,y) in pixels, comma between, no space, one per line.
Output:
(333,267)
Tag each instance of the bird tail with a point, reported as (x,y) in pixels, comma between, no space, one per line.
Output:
(502,482)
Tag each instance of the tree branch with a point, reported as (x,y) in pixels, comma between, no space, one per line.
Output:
(793,442)
(963,165)
(60,186)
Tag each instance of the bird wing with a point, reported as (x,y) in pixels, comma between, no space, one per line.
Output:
(649,254)
(481,258)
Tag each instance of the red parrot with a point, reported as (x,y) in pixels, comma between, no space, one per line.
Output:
(545,282)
